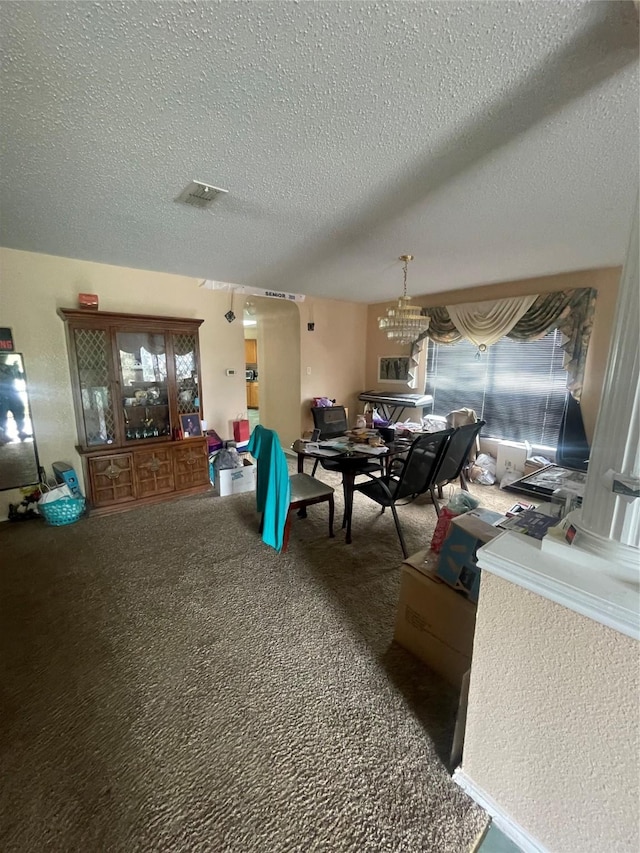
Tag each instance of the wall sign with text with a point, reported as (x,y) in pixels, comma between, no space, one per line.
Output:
(6,340)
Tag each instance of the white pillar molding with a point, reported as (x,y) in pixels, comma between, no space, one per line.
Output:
(608,523)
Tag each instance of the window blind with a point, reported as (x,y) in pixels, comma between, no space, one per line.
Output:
(517,387)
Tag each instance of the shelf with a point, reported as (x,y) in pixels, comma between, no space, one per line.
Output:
(147,406)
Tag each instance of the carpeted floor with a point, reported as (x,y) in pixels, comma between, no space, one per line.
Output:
(169,683)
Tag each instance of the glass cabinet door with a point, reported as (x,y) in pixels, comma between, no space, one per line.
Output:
(143,377)
(92,347)
(187,388)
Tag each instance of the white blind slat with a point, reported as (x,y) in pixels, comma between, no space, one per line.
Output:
(517,387)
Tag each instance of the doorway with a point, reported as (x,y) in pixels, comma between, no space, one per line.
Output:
(252,374)
(273,328)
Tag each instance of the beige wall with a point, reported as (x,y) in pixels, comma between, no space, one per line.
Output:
(279,368)
(340,328)
(33,286)
(553,724)
(605,281)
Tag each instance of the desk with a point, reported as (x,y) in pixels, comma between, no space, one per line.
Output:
(348,463)
(392,405)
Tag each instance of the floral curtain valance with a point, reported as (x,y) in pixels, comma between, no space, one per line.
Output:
(570,311)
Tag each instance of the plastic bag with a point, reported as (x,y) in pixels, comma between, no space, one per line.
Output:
(55,493)
(442,528)
(227,458)
(459,503)
(483,470)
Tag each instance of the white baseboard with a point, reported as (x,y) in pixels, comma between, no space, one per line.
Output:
(502,820)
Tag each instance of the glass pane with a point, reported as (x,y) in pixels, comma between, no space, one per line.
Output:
(184,347)
(145,401)
(97,406)
(18,454)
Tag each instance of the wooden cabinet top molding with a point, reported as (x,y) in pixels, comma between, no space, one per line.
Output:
(115,318)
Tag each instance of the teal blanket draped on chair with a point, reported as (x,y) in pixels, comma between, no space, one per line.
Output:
(273,489)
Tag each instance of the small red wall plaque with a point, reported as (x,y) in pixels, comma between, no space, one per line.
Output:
(88,300)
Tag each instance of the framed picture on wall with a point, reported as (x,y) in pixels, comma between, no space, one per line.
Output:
(393,368)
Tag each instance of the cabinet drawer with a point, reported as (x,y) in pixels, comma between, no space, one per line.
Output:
(154,472)
(190,463)
(112,479)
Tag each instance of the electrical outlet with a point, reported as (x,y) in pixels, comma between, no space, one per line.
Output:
(231,371)
(308,371)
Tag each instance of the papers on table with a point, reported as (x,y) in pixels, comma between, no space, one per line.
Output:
(369,450)
(338,446)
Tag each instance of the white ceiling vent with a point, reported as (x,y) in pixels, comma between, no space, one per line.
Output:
(198,194)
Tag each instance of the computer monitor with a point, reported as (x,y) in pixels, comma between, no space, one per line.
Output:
(330,420)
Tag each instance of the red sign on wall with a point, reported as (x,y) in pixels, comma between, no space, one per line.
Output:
(6,340)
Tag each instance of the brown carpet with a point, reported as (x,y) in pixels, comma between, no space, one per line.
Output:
(169,683)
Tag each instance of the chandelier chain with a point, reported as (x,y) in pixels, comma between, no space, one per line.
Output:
(405,322)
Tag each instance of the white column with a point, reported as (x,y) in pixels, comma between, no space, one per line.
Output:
(608,523)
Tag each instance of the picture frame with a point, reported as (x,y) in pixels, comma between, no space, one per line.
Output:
(191,426)
(394,368)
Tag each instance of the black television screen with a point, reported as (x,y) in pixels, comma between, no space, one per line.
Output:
(546,480)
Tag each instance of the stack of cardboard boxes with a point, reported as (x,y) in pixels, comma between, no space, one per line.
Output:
(438,595)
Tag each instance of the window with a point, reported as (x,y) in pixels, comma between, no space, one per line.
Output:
(517,387)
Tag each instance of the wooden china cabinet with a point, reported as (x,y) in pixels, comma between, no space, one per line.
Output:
(135,381)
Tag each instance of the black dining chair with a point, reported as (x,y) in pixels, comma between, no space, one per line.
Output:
(455,460)
(416,476)
(279,493)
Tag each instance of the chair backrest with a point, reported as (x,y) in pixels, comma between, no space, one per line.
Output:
(422,464)
(462,442)
(330,420)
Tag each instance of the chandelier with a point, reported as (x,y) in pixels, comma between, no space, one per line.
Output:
(404,323)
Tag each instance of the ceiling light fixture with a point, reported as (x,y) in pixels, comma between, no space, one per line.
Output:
(404,323)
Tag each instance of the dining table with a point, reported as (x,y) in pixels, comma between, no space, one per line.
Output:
(349,457)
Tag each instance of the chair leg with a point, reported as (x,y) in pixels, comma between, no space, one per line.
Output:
(403,544)
(434,500)
(285,535)
(315,468)
(331,510)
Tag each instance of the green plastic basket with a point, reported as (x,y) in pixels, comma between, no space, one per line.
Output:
(62,511)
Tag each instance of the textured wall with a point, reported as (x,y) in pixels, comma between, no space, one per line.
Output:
(553,727)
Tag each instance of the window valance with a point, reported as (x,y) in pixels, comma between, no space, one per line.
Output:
(570,311)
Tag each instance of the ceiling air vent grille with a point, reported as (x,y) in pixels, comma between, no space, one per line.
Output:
(198,194)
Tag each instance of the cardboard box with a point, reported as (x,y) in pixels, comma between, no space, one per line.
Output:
(457,564)
(511,458)
(234,481)
(435,623)
(455,758)
(531,466)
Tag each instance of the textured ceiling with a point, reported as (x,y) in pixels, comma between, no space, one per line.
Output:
(492,140)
